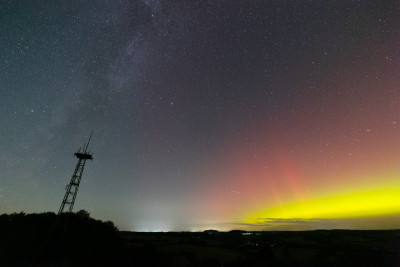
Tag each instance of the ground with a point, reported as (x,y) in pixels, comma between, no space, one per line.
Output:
(239,248)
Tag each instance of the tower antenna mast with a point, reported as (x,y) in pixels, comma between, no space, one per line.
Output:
(73,186)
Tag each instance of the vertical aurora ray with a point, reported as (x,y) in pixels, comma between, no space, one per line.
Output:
(340,165)
(208,114)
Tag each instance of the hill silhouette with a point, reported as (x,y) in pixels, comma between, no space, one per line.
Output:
(76,239)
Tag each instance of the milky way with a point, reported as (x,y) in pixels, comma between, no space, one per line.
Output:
(206,114)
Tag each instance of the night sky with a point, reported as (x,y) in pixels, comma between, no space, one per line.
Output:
(259,115)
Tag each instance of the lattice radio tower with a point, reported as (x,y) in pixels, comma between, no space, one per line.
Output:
(73,186)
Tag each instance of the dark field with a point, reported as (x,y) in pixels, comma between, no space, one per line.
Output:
(237,248)
(76,239)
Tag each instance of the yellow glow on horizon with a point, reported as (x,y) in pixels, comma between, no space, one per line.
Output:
(372,202)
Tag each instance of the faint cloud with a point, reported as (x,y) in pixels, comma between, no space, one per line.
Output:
(298,224)
(281,221)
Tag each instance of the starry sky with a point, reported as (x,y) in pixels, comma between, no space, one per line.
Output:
(254,115)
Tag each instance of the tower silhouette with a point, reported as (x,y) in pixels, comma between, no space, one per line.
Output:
(73,186)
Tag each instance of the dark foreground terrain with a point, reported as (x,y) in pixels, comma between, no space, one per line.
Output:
(75,239)
(237,248)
